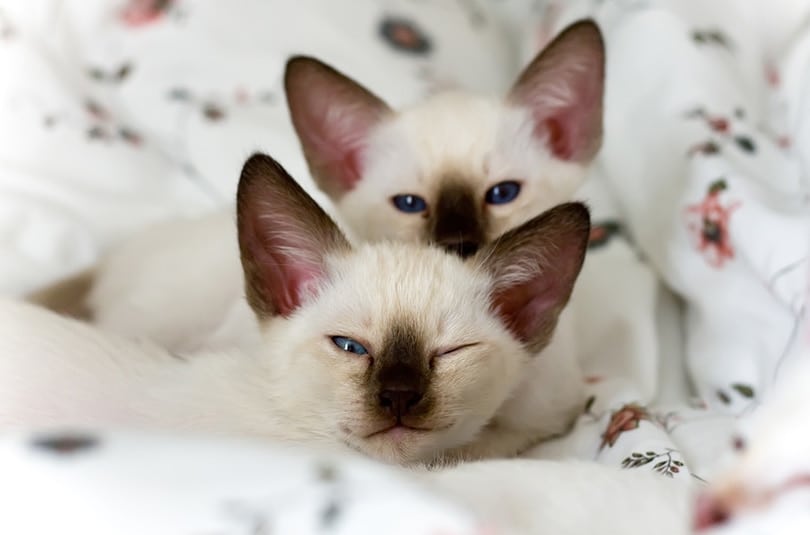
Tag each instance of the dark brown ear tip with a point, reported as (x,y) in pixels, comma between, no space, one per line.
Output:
(257,163)
(574,216)
(298,66)
(576,210)
(584,30)
(300,61)
(260,168)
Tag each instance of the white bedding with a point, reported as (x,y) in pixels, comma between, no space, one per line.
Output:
(112,117)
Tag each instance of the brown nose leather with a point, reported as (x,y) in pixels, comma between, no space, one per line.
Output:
(399,402)
(456,222)
(462,248)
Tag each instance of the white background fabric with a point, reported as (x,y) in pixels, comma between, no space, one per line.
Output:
(689,301)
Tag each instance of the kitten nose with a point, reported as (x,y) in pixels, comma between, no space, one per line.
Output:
(709,512)
(463,248)
(399,401)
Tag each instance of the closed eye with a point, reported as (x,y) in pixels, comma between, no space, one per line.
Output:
(455,349)
(349,345)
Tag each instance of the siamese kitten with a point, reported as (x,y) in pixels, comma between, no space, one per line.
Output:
(401,351)
(456,170)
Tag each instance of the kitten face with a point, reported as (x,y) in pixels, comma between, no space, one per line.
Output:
(398,350)
(456,170)
(472,165)
(427,365)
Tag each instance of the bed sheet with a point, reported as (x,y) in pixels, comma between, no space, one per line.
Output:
(703,183)
(117,114)
(696,281)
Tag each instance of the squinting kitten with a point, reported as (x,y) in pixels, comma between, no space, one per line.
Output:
(457,170)
(401,351)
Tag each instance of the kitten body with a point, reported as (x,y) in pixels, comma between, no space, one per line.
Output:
(401,351)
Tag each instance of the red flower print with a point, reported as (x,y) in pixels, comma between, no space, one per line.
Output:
(772,75)
(710,225)
(625,419)
(142,12)
(721,126)
(706,148)
(603,232)
(405,36)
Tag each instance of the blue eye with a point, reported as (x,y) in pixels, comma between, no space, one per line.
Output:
(348,345)
(410,204)
(503,192)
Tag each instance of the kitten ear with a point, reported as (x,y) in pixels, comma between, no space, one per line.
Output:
(333,116)
(563,89)
(284,238)
(534,267)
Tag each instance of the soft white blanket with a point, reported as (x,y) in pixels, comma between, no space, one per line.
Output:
(114,115)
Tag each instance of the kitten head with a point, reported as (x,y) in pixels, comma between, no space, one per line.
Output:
(398,350)
(457,169)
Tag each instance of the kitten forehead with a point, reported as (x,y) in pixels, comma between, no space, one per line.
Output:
(392,283)
(451,131)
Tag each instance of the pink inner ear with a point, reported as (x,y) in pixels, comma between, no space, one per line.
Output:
(340,163)
(285,266)
(555,136)
(333,118)
(572,132)
(526,308)
(563,90)
(334,144)
(286,284)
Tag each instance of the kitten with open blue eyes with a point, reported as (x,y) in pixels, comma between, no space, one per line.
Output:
(401,351)
(457,170)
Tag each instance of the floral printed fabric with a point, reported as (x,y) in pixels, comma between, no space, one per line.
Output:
(706,168)
(114,114)
(118,113)
(179,486)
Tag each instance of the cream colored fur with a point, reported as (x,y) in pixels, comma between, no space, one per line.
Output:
(180,285)
(455,136)
(179,282)
(299,386)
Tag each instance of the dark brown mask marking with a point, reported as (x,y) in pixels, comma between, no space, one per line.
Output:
(457,222)
(401,374)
